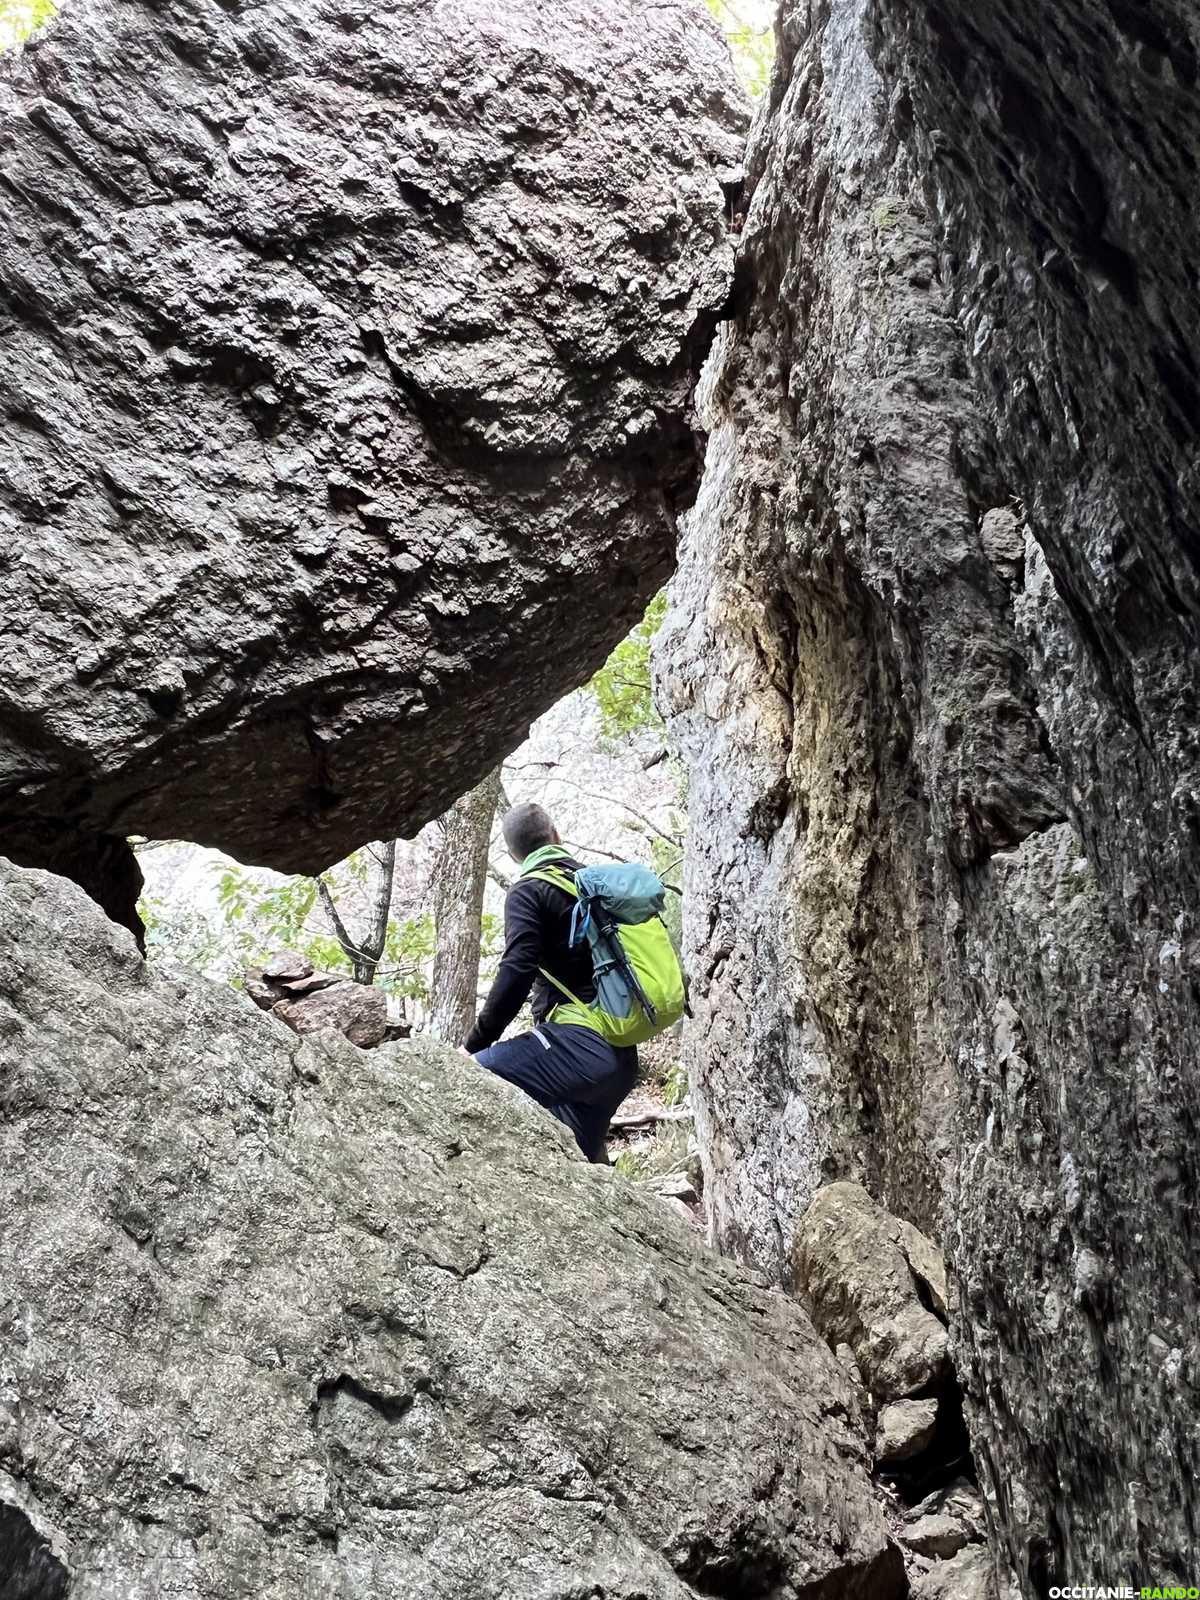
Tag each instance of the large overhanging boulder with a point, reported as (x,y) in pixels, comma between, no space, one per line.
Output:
(288,1318)
(346,354)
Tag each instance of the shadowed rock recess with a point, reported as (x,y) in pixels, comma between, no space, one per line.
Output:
(286,1319)
(933,663)
(345,359)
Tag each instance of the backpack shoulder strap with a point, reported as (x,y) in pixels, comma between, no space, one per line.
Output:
(560,880)
(564,881)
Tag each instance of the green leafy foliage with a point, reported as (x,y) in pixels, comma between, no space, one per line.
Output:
(255,917)
(630,1164)
(182,932)
(751,37)
(408,956)
(264,918)
(21,18)
(621,688)
(491,941)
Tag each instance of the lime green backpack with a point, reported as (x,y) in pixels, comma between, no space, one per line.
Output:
(640,989)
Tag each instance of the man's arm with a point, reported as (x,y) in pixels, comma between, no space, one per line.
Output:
(518,967)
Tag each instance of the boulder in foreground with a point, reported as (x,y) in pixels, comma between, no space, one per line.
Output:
(869,1280)
(287,1319)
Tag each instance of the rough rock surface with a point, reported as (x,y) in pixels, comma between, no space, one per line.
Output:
(906,1427)
(837,634)
(285,1319)
(345,360)
(290,988)
(864,1277)
(958,1502)
(936,1535)
(937,1527)
(933,664)
(967,1576)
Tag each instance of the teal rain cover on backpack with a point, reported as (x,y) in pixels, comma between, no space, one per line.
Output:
(631,893)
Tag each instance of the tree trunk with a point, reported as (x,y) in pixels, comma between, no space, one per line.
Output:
(366,953)
(458,883)
(377,918)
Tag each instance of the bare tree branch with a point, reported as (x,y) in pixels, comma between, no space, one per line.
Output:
(341,932)
(611,800)
(591,850)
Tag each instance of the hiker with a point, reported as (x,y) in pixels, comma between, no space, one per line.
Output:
(575,1060)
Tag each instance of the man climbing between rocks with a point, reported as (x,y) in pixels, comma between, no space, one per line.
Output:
(590,944)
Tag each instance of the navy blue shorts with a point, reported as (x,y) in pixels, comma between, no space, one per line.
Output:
(571,1071)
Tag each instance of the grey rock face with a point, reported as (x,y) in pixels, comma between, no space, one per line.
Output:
(906,1427)
(969,1575)
(935,1530)
(957,1502)
(345,366)
(933,664)
(282,1318)
(935,1535)
(842,670)
(854,1269)
(1077,1025)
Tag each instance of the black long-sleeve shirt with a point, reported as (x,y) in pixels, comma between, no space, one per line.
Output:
(537,924)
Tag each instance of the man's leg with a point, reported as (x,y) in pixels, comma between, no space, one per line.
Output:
(591,1118)
(572,1072)
(530,1062)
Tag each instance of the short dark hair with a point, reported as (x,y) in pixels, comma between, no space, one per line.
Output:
(525,828)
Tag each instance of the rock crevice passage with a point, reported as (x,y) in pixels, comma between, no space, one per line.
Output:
(346,360)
